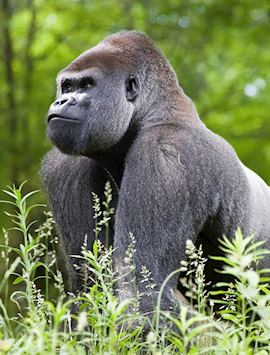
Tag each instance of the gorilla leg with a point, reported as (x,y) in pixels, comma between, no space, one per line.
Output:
(70,181)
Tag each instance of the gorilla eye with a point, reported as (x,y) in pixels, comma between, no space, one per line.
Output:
(87,83)
(67,86)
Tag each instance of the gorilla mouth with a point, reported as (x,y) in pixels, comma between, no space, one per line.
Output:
(58,117)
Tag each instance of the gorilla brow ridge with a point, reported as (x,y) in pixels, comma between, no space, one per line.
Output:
(132,49)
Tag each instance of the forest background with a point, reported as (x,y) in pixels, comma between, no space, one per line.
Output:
(220,50)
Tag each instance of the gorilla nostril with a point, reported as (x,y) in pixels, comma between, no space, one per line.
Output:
(60,102)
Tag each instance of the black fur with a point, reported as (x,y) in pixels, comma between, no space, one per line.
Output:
(123,117)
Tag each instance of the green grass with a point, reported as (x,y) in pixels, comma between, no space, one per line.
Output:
(46,320)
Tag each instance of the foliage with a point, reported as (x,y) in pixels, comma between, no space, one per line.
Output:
(219,49)
(220,52)
(53,322)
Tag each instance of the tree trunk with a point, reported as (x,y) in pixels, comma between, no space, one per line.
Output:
(8,58)
(27,79)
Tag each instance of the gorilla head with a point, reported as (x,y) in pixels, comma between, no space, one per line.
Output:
(106,91)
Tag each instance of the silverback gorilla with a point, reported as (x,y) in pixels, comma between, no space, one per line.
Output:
(120,115)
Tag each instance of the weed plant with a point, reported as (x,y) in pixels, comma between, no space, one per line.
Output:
(50,321)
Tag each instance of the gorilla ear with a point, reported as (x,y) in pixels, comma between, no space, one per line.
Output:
(132,88)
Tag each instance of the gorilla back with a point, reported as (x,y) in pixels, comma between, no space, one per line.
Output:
(120,115)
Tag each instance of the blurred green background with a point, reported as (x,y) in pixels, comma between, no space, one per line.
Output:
(220,50)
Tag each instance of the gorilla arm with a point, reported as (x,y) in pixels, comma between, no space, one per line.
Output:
(70,181)
(162,206)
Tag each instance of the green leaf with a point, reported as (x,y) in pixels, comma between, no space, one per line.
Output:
(18,280)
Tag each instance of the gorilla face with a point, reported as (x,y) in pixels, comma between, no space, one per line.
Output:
(93,109)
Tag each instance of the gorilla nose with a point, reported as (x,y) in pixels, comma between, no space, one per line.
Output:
(60,102)
(65,100)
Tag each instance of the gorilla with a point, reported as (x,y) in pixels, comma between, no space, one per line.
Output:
(121,116)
